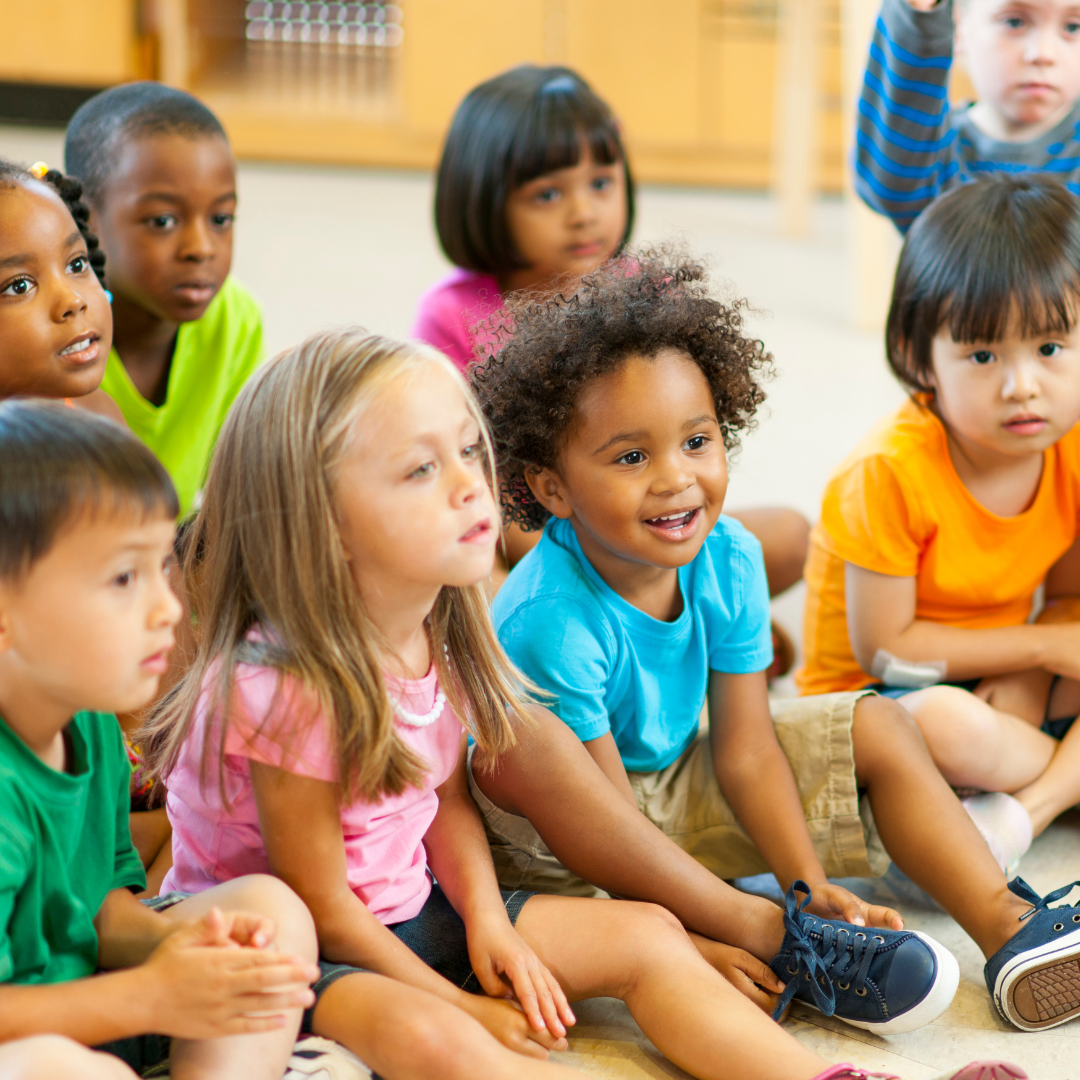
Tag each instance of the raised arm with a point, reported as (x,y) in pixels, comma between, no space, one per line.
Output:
(883,629)
(902,129)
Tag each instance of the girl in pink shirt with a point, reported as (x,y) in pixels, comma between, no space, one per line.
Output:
(345,649)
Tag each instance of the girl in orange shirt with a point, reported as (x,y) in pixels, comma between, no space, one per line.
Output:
(941,529)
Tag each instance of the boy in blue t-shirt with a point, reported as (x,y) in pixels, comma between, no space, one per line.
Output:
(87,518)
(611,412)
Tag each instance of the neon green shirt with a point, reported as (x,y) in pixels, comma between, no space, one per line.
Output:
(213,358)
(64,845)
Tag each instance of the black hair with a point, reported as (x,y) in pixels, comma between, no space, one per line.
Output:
(60,462)
(982,255)
(551,348)
(70,191)
(509,130)
(132,110)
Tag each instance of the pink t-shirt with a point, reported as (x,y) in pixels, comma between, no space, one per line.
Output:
(451,307)
(386,863)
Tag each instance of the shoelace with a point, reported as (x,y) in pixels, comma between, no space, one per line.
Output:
(843,957)
(1039,903)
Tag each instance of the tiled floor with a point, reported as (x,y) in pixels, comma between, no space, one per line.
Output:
(330,246)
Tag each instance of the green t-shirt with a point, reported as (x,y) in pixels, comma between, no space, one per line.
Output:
(64,845)
(213,358)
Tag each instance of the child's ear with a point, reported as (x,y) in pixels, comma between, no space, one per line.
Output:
(548,490)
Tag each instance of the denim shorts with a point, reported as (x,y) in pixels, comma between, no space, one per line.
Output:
(437,936)
(1056,729)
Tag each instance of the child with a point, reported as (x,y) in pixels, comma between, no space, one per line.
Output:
(161,183)
(641,602)
(86,625)
(534,189)
(939,528)
(345,650)
(1024,61)
(55,324)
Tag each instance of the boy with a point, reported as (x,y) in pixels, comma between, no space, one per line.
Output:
(86,625)
(611,412)
(1023,57)
(160,181)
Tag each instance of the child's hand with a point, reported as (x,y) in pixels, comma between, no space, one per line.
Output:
(201,983)
(832,902)
(506,1021)
(751,977)
(507,967)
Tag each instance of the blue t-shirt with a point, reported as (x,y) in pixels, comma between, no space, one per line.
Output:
(613,668)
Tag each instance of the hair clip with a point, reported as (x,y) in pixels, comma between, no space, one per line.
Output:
(38,170)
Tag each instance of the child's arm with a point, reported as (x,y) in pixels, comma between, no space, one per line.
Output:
(882,625)
(902,128)
(300,818)
(756,779)
(197,981)
(605,753)
(460,859)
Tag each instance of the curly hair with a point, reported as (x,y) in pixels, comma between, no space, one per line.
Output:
(542,351)
(70,191)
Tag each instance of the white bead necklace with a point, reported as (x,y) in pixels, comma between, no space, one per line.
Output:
(433,714)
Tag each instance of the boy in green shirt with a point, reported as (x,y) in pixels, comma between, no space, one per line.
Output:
(160,180)
(86,625)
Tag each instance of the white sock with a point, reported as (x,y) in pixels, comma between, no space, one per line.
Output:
(1004,825)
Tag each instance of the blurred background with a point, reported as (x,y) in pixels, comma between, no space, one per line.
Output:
(737,117)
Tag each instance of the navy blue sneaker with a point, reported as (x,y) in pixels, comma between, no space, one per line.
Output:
(1035,978)
(885,981)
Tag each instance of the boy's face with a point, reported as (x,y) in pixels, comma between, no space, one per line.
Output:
(568,221)
(1024,59)
(55,322)
(1013,397)
(643,473)
(165,220)
(90,625)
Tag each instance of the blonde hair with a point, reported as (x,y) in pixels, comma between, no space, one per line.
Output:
(265,551)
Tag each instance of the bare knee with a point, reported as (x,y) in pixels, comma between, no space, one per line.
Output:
(270,896)
(650,935)
(45,1057)
(883,732)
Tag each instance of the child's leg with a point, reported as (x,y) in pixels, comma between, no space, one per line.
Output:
(406,1034)
(266,1054)
(784,536)
(1057,787)
(640,953)
(48,1057)
(924,828)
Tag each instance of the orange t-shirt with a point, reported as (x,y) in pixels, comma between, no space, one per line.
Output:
(897,506)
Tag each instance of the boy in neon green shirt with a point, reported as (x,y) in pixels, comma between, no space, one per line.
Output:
(160,180)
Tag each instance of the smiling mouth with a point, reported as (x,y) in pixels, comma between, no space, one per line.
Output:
(81,350)
(674,523)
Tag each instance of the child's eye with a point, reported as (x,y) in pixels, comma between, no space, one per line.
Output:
(21,286)
(1072,26)
(602,183)
(697,442)
(548,195)
(471,452)
(79,265)
(223,221)
(982,357)
(425,470)
(631,457)
(1013,22)
(125,579)
(161,221)
(1050,348)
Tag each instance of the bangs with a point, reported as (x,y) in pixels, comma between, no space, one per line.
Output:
(565,115)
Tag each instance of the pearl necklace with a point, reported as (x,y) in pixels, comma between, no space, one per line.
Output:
(433,714)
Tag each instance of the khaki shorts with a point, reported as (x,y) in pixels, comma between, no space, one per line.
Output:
(685,802)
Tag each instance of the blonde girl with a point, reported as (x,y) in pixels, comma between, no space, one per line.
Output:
(345,654)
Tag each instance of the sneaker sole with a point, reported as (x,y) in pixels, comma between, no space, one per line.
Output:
(1044,983)
(937,1000)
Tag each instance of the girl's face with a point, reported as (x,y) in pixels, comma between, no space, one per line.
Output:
(1012,397)
(55,321)
(414,508)
(568,221)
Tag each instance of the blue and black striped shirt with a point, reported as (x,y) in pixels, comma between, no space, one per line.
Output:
(911,145)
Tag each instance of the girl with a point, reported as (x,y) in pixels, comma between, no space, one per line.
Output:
(534,190)
(939,529)
(55,335)
(345,653)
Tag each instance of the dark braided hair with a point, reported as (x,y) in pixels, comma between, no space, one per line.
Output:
(542,351)
(70,191)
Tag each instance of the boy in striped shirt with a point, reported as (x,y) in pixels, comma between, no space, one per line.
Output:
(1023,57)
